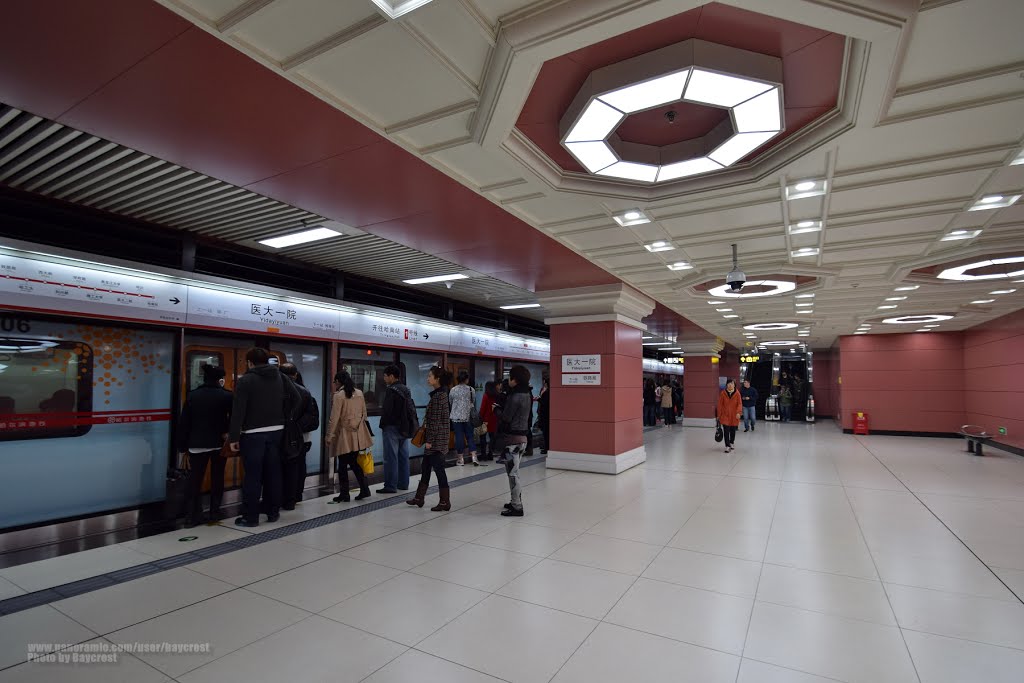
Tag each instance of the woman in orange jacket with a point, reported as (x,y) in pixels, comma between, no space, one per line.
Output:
(730,410)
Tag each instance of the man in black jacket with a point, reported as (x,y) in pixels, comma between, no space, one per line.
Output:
(257,430)
(202,428)
(294,469)
(398,423)
(749,396)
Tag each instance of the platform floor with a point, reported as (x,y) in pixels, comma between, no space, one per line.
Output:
(804,556)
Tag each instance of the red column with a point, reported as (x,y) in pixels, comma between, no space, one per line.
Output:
(700,390)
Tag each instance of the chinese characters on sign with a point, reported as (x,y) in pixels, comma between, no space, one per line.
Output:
(581,379)
(581,363)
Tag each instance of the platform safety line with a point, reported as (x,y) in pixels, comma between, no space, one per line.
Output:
(46,596)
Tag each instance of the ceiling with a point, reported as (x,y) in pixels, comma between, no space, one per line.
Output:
(410,131)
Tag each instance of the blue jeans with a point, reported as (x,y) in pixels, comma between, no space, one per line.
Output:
(261,455)
(749,417)
(650,415)
(787,412)
(396,460)
(464,437)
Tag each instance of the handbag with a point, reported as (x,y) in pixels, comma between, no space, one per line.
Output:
(292,443)
(719,434)
(365,461)
(420,437)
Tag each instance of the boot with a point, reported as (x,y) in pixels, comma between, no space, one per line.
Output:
(364,492)
(445,503)
(343,495)
(421,492)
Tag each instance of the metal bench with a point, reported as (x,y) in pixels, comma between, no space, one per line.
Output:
(976,437)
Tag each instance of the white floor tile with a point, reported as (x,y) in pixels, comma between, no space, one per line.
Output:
(585,591)
(720,540)
(419,666)
(460,526)
(949,660)
(844,649)
(334,538)
(39,625)
(841,596)
(315,649)
(407,608)
(258,562)
(984,620)
(403,550)
(958,571)
(530,539)
(1013,578)
(822,553)
(55,571)
(114,608)
(752,671)
(613,654)
(710,572)
(691,615)
(227,622)
(316,586)
(477,566)
(613,554)
(9,590)
(123,669)
(169,543)
(543,639)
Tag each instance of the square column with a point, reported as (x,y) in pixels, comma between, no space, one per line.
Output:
(596,417)
(700,389)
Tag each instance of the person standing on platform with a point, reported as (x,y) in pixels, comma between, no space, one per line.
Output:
(513,427)
(437,427)
(666,404)
(749,396)
(730,410)
(294,474)
(202,429)
(786,402)
(487,414)
(398,422)
(463,398)
(650,404)
(262,395)
(347,434)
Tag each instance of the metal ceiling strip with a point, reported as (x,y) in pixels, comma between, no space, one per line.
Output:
(212,199)
(32,161)
(81,170)
(189,199)
(147,181)
(256,209)
(154,199)
(56,161)
(19,126)
(100,174)
(27,141)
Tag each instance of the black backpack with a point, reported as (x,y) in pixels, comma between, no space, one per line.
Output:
(309,421)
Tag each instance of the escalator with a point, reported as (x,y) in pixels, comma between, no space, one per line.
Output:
(760,375)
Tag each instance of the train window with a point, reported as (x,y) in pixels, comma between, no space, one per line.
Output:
(194,365)
(45,386)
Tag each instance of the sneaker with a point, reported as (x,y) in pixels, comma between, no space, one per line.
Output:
(512,512)
(389,490)
(745,431)
(460,462)
(241,522)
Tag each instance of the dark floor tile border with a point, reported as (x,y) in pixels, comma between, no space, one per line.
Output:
(46,596)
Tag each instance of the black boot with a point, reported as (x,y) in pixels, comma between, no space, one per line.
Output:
(343,495)
(421,492)
(364,492)
(445,504)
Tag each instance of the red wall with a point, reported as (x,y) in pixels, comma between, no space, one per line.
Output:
(700,387)
(905,382)
(826,388)
(994,375)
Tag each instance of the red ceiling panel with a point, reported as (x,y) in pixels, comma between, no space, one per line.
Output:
(812,75)
(652,128)
(72,49)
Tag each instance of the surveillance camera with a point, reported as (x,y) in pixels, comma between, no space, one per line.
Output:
(736,279)
(448,284)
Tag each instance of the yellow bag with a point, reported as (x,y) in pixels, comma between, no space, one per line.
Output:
(365,461)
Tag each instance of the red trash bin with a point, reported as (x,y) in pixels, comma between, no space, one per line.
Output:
(860,422)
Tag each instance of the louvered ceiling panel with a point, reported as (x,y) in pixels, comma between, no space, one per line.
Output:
(40,156)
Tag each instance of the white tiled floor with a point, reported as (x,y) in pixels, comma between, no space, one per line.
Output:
(806,556)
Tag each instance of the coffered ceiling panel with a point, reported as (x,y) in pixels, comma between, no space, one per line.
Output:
(285,28)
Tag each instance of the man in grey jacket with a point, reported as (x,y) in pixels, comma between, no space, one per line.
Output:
(257,430)
(513,429)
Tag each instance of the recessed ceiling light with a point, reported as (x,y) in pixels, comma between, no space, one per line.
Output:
(396,8)
(806,188)
(652,93)
(917,319)
(715,302)
(303,237)
(806,310)
(931,326)
(777,287)
(923,330)
(516,306)
(896,298)
(983,301)
(994,201)
(771,326)
(647,337)
(887,307)
(631,217)
(859,332)
(780,343)
(960,235)
(961,272)
(804,251)
(435,278)
(805,304)
(680,265)
(1019,159)
(1003,291)
(657,344)
(660,245)
(907,288)
(730,315)
(724,310)
(805,227)
(671,348)
(804,296)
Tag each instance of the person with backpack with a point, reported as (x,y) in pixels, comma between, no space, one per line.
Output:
(398,422)
(294,475)
(347,435)
(202,427)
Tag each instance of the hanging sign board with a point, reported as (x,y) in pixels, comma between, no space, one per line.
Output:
(261,313)
(581,379)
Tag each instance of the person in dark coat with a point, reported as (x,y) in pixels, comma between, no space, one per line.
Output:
(544,413)
(202,429)
(294,469)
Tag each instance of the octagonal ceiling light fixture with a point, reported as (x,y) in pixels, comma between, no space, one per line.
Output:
(780,343)
(917,319)
(746,83)
(963,274)
(776,287)
(771,326)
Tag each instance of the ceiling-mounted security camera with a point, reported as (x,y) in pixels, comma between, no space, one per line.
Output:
(448,284)
(736,278)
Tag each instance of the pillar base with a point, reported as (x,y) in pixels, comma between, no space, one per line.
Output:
(592,462)
(699,422)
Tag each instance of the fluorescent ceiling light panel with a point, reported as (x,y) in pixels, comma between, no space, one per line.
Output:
(918,319)
(656,344)
(628,170)
(804,227)
(680,265)
(1003,291)
(960,235)
(994,201)
(596,123)
(647,337)
(435,278)
(804,296)
(882,308)
(684,169)
(671,348)
(759,114)
(805,251)
(780,343)
(660,245)
(724,310)
(303,237)
(802,305)
(896,298)
(716,303)
(708,87)
(1019,159)
(806,188)
(631,217)
(396,8)
(730,315)
(739,146)
(652,93)
(908,288)
(923,330)
(931,325)
(806,310)
(983,301)
(593,155)
(518,306)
